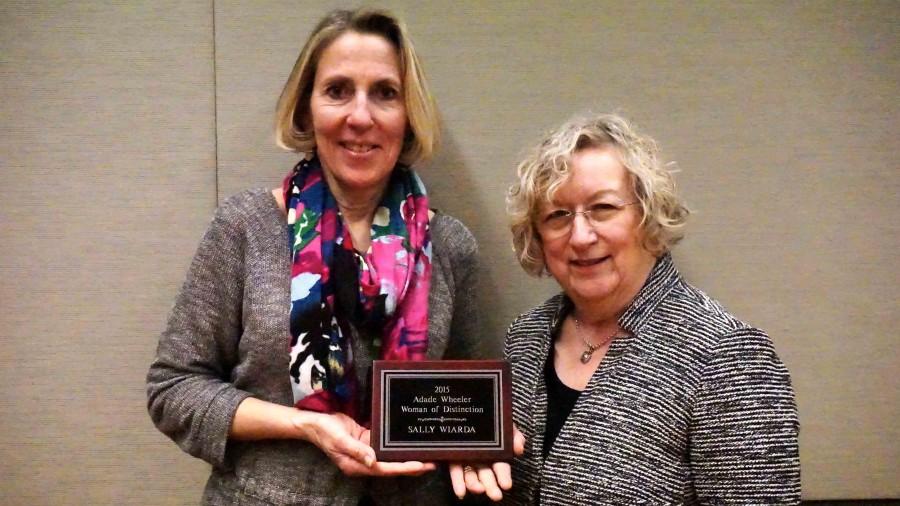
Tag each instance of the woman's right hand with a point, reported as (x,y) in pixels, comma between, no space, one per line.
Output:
(347,445)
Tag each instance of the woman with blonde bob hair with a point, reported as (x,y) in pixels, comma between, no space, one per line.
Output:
(293,128)
(631,386)
(263,369)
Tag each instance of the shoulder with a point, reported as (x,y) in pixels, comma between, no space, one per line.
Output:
(246,204)
(543,313)
(699,313)
(714,333)
(537,320)
(453,244)
(239,223)
(452,236)
(252,212)
(746,352)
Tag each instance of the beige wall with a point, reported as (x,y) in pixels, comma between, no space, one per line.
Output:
(122,125)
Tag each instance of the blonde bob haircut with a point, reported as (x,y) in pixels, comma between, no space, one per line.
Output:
(546,169)
(293,124)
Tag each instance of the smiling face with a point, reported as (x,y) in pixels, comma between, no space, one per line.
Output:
(602,264)
(357,111)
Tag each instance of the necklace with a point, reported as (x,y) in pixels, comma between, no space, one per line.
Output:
(589,348)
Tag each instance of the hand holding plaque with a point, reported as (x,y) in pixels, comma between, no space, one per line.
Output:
(347,444)
(442,410)
(487,478)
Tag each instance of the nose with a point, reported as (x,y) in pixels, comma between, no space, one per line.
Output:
(583,233)
(360,114)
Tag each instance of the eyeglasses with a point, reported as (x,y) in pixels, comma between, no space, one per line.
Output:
(558,222)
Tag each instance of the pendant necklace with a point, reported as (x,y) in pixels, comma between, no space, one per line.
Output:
(589,348)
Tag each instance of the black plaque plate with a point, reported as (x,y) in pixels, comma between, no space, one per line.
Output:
(441,410)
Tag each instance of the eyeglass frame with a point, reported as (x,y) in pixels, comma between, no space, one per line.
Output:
(570,218)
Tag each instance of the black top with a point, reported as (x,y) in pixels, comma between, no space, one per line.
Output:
(560,401)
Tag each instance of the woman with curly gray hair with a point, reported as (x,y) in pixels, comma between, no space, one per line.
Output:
(631,386)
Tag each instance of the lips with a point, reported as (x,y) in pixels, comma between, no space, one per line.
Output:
(357,147)
(588,262)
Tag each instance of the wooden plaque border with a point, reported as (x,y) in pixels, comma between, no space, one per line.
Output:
(501,446)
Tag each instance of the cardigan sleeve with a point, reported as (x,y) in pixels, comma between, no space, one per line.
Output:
(465,327)
(190,397)
(743,439)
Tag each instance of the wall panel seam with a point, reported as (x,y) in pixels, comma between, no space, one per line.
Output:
(215,83)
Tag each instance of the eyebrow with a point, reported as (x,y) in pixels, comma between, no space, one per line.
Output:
(602,193)
(596,195)
(341,78)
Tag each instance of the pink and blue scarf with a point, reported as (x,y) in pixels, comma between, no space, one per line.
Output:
(384,291)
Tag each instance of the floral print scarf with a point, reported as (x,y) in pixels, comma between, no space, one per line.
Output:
(384,290)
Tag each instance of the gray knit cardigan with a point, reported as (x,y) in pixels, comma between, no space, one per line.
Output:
(227,339)
(694,408)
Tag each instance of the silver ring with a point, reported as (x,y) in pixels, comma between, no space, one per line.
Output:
(468,469)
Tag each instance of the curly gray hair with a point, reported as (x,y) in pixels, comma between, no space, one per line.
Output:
(547,168)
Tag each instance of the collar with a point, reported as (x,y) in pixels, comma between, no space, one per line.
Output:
(662,278)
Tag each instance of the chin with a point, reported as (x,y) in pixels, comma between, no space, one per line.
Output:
(599,286)
(589,293)
(361,183)
(357,177)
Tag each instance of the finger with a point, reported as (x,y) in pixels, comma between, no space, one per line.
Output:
(351,467)
(361,453)
(518,442)
(356,450)
(412,468)
(503,474)
(458,480)
(473,484)
(487,478)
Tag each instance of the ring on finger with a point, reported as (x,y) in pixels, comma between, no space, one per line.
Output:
(468,469)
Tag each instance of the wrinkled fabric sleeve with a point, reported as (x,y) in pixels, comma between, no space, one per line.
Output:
(189,394)
(465,327)
(743,439)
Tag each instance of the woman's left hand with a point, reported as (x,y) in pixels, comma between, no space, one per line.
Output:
(488,479)
(409,468)
(346,443)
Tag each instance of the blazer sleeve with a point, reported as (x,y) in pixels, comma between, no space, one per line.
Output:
(743,439)
(190,397)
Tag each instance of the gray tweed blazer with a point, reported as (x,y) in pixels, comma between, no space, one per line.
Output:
(694,408)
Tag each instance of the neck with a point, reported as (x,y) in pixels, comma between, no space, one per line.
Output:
(593,316)
(356,205)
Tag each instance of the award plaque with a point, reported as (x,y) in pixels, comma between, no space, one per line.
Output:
(441,410)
